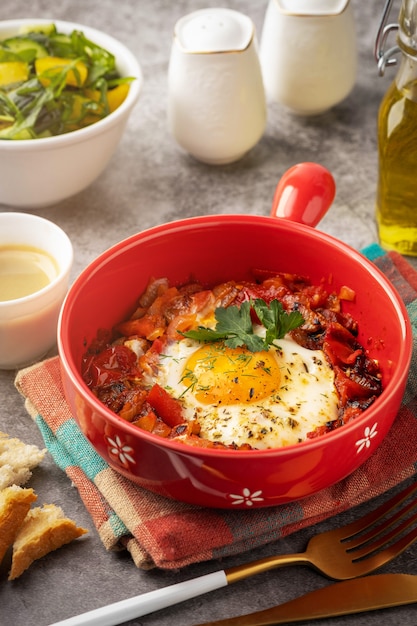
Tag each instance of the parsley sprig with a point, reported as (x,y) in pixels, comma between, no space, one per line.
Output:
(235,327)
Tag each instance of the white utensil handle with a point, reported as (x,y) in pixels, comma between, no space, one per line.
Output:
(125,610)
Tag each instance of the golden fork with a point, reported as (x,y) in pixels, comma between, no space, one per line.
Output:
(352,550)
(341,554)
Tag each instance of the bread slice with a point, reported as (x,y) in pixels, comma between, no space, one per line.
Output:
(15,503)
(43,530)
(17,459)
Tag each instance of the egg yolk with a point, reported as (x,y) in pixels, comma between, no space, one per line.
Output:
(216,374)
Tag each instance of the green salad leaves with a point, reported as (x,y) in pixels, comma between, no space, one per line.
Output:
(235,327)
(53,83)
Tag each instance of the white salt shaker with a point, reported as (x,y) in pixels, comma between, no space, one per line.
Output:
(308,53)
(216,98)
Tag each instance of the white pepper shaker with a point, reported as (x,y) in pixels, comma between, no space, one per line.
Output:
(216,98)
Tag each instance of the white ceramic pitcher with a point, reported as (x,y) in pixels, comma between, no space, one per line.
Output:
(216,97)
(308,53)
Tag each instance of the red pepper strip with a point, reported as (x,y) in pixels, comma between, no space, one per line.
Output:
(110,365)
(340,346)
(167,407)
(354,387)
(341,353)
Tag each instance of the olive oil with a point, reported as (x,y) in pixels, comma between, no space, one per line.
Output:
(24,270)
(397,185)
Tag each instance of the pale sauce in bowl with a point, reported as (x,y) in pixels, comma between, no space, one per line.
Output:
(24,270)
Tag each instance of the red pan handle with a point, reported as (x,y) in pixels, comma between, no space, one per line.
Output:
(304,194)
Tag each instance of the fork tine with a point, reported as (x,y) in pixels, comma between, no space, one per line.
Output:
(371,518)
(384,540)
(360,540)
(378,560)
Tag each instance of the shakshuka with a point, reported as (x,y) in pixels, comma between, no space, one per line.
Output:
(240,365)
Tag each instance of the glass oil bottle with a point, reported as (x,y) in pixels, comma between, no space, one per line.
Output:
(396,202)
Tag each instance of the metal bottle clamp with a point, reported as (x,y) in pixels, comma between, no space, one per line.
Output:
(385,57)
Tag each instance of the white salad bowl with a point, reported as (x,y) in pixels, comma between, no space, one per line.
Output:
(45,171)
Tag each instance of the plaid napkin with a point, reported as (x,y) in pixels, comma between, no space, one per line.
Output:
(168,534)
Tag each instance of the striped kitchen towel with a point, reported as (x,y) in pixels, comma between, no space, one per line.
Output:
(159,532)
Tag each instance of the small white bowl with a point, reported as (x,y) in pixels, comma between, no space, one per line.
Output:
(28,325)
(41,172)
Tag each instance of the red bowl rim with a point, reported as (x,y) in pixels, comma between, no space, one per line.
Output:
(377,407)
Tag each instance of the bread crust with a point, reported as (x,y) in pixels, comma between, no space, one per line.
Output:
(33,532)
(44,529)
(15,503)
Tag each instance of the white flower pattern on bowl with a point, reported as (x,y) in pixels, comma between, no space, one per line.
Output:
(246,497)
(122,451)
(369,433)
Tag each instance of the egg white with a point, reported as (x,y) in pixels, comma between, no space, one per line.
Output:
(305,399)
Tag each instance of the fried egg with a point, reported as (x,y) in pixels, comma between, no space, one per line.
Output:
(265,399)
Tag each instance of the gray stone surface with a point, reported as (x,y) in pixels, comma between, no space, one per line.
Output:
(150,181)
